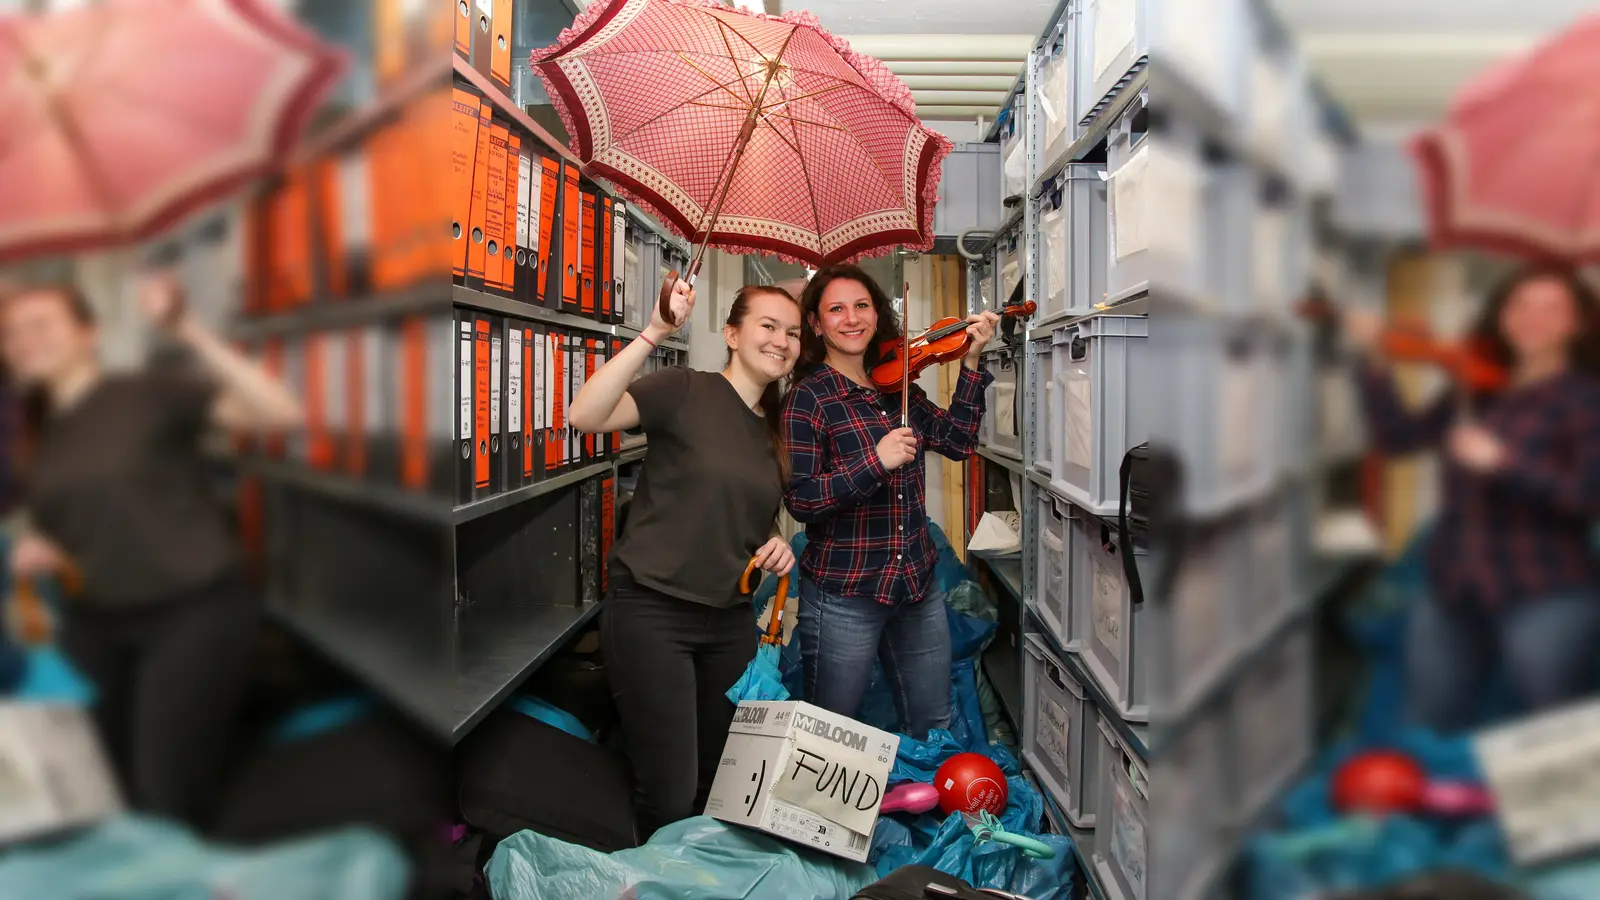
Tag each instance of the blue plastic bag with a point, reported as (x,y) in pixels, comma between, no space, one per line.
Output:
(135,858)
(696,859)
(947,844)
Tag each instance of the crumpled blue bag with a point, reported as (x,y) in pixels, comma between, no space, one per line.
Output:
(137,858)
(695,859)
(947,844)
(50,678)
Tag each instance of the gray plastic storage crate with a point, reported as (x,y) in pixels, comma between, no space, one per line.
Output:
(1065,84)
(1279,536)
(1189,794)
(1073,253)
(1046,424)
(969,191)
(1270,721)
(1107,392)
(1110,58)
(1106,623)
(1130,208)
(1002,417)
(1061,742)
(1121,836)
(1196,638)
(1054,562)
(1219,423)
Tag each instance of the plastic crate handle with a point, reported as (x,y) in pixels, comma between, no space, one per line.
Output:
(1054,673)
(1079,349)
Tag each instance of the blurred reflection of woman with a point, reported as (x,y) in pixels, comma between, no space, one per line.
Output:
(164,626)
(1511,563)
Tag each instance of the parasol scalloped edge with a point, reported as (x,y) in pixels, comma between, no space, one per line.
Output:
(871,69)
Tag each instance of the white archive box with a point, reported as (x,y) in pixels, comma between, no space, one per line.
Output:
(53,773)
(804,774)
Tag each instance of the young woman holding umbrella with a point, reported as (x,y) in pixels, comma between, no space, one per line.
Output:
(857,484)
(114,481)
(1512,568)
(676,631)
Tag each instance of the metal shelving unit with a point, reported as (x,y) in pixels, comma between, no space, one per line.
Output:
(1174,97)
(443,609)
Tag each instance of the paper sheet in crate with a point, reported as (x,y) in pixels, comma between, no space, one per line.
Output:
(804,774)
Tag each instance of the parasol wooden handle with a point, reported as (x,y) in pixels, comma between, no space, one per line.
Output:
(30,619)
(775,624)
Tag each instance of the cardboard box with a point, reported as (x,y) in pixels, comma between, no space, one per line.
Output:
(805,774)
(53,774)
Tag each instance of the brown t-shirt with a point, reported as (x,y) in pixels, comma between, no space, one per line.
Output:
(119,484)
(709,491)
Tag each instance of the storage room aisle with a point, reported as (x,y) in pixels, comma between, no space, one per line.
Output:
(1174,564)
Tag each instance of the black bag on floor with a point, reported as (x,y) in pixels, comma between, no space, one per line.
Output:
(518,773)
(922,883)
(377,771)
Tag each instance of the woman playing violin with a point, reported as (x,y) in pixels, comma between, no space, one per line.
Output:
(1511,564)
(675,631)
(857,485)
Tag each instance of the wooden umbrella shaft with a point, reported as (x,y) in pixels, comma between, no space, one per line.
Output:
(746,131)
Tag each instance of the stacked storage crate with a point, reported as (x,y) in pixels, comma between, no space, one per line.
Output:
(1164,232)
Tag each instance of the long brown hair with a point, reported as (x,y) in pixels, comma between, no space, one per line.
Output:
(1584,348)
(772,397)
(33,404)
(813,349)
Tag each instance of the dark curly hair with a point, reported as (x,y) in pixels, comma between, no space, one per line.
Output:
(1584,349)
(813,350)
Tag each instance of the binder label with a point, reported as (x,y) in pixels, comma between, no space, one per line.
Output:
(514,383)
(494,386)
(465,381)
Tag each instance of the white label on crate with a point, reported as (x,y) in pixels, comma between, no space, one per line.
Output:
(1114,30)
(1127,839)
(1268,253)
(1080,417)
(1177,179)
(1544,772)
(1199,622)
(486,7)
(464,381)
(1239,419)
(833,780)
(1108,606)
(1005,407)
(1053,734)
(1130,233)
(1054,226)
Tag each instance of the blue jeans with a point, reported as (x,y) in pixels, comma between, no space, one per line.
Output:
(841,636)
(1547,646)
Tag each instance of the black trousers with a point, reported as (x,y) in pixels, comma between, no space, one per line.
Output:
(670,663)
(171,678)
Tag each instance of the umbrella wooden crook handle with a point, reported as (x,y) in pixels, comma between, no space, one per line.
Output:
(775,624)
(30,617)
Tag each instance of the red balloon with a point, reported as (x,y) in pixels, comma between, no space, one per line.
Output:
(970,782)
(1379,782)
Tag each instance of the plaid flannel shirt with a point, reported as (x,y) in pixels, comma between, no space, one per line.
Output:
(1524,531)
(867,528)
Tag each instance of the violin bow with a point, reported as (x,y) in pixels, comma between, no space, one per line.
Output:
(905,362)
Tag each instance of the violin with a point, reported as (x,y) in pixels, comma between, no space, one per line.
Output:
(1468,363)
(946,341)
